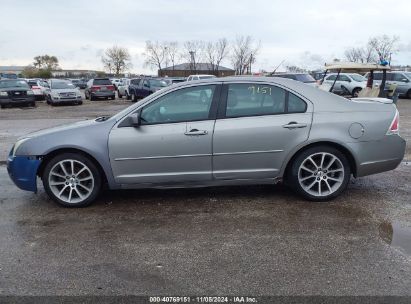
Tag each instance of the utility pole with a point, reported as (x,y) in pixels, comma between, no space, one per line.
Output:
(193,63)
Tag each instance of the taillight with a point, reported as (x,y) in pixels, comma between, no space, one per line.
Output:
(95,88)
(395,124)
(35,88)
(111,87)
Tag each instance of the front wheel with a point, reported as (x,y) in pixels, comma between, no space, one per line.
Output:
(356,92)
(319,173)
(72,180)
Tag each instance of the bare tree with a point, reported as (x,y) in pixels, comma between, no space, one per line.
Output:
(244,52)
(384,46)
(378,48)
(216,52)
(193,52)
(155,54)
(116,59)
(172,52)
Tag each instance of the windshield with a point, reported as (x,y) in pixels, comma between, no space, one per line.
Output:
(408,74)
(157,83)
(304,78)
(13,84)
(206,77)
(62,85)
(102,82)
(357,77)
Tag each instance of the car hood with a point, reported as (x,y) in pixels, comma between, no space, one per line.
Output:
(62,128)
(64,90)
(14,89)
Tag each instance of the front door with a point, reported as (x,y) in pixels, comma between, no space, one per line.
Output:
(259,127)
(173,143)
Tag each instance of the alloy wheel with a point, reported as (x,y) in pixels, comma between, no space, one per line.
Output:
(71,181)
(321,174)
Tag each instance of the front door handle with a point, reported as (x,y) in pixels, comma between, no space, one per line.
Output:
(196,132)
(294,125)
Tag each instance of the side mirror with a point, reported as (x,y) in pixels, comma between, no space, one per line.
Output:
(135,119)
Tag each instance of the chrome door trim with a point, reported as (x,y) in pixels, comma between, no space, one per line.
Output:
(160,157)
(248,152)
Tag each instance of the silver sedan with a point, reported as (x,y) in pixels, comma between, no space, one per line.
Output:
(220,131)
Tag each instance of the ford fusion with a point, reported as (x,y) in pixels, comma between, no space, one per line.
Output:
(214,132)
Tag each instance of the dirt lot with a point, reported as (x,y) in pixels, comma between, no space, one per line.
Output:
(257,240)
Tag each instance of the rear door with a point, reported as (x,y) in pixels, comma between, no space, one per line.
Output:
(257,126)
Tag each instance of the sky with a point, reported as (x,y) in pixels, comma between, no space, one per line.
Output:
(298,32)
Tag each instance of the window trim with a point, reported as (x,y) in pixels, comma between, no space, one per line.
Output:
(221,112)
(212,113)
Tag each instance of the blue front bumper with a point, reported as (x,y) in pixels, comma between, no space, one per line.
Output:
(23,171)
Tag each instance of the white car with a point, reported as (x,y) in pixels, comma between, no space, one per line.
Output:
(198,77)
(39,88)
(116,82)
(346,84)
(122,89)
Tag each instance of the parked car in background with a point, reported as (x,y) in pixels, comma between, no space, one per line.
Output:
(146,86)
(401,79)
(173,80)
(199,77)
(79,83)
(39,88)
(116,82)
(16,92)
(100,88)
(133,87)
(301,77)
(347,83)
(63,92)
(263,130)
(123,89)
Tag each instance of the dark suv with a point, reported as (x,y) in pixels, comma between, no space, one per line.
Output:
(100,88)
(16,92)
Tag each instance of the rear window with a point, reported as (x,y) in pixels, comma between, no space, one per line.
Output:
(102,82)
(13,84)
(157,83)
(305,78)
(32,83)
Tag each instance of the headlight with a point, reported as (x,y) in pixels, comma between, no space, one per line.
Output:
(3,94)
(30,92)
(55,95)
(18,144)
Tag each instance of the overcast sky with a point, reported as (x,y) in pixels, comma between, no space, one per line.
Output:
(305,33)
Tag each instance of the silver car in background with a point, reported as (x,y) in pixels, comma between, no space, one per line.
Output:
(63,92)
(214,132)
(347,83)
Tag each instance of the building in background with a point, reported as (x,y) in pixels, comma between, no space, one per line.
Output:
(12,71)
(186,69)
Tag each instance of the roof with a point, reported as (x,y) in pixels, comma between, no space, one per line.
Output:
(354,66)
(201,66)
(7,68)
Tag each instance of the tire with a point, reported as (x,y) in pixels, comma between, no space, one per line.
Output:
(355,92)
(309,181)
(80,102)
(2,106)
(408,95)
(91,98)
(33,104)
(119,95)
(85,95)
(128,97)
(78,189)
(133,97)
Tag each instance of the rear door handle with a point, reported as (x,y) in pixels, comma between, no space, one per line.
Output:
(196,132)
(294,125)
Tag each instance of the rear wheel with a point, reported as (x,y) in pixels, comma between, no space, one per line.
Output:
(72,180)
(91,97)
(85,94)
(128,96)
(119,95)
(133,97)
(409,94)
(319,173)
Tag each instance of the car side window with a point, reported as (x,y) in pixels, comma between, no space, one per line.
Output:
(296,104)
(188,104)
(377,76)
(331,77)
(343,78)
(254,99)
(399,77)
